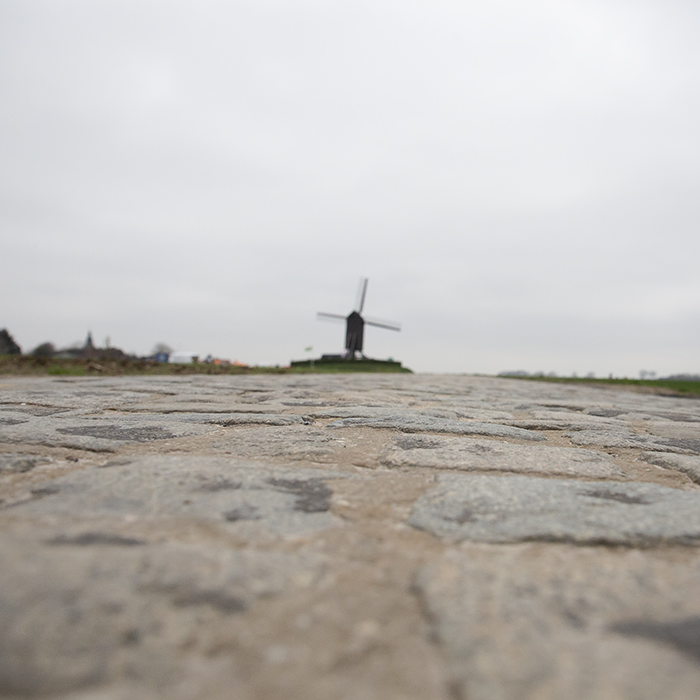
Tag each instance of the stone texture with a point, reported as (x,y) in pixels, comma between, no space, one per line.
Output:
(96,433)
(106,433)
(470,454)
(688,464)
(437,425)
(256,419)
(622,437)
(382,412)
(292,442)
(13,463)
(518,508)
(531,621)
(284,501)
(81,611)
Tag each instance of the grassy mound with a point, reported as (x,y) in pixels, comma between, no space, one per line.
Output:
(341,365)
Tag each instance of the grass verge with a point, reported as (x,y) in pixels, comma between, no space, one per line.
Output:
(670,387)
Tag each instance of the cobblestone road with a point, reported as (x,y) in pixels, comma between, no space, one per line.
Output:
(357,537)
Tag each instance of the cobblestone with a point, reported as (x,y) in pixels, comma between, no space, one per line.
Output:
(397,537)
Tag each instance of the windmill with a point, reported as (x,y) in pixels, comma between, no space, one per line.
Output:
(355,323)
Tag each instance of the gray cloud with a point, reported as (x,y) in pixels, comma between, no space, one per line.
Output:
(518,181)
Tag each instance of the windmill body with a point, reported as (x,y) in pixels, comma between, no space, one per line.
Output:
(355,324)
(354,331)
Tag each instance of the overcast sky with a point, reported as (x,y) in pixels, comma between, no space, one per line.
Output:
(519,180)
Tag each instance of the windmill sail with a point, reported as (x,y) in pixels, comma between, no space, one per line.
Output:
(361,293)
(389,325)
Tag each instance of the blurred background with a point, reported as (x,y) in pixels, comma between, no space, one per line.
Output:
(518,181)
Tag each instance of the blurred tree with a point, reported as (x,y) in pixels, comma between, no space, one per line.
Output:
(44,350)
(7,344)
(163,348)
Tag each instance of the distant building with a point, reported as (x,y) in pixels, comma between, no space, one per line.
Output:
(89,351)
(182,357)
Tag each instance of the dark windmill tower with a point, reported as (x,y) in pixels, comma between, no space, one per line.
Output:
(355,324)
